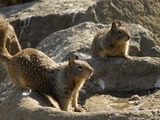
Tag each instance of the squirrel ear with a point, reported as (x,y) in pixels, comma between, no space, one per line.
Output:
(113,26)
(70,61)
(77,58)
(119,23)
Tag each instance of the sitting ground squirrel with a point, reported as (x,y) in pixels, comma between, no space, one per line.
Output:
(113,42)
(32,69)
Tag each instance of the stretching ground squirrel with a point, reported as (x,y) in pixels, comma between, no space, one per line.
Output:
(113,42)
(32,69)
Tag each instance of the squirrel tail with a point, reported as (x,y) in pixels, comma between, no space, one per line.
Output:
(4,54)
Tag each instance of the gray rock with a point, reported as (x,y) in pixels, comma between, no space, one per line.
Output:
(134,74)
(36,20)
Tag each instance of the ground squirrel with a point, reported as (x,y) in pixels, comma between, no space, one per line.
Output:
(113,42)
(32,69)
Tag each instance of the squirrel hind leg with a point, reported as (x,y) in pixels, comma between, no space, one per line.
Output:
(49,100)
(52,102)
(79,109)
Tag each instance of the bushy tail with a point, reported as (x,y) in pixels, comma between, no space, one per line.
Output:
(4,54)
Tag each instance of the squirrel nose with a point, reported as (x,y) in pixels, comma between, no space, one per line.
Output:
(129,37)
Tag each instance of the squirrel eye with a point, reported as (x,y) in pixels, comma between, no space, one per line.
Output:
(80,67)
(119,32)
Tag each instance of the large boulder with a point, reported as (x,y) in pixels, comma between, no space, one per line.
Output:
(112,74)
(36,20)
(145,13)
(134,74)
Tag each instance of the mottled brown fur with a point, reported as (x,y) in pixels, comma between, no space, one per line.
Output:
(112,42)
(32,69)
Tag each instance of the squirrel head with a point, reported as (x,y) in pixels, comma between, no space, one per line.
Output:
(79,69)
(115,25)
(119,33)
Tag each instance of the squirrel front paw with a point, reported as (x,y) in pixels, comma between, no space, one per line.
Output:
(79,109)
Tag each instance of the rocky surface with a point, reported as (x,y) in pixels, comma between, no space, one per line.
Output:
(124,74)
(145,13)
(112,74)
(36,20)
(106,95)
(18,107)
(78,40)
